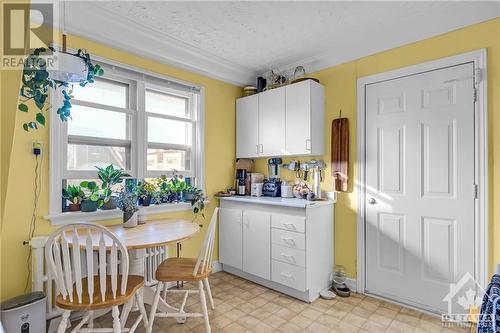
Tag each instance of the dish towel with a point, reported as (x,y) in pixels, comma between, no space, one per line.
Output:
(490,308)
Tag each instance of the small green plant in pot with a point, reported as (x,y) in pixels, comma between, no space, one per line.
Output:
(177,186)
(74,194)
(146,191)
(109,177)
(127,202)
(92,198)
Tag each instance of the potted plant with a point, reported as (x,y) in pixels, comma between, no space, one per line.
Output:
(197,199)
(92,198)
(127,202)
(74,194)
(189,193)
(164,189)
(109,177)
(146,190)
(38,82)
(177,186)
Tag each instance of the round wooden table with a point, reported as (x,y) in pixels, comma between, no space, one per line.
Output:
(137,240)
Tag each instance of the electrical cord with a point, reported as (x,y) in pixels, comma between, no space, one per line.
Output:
(36,196)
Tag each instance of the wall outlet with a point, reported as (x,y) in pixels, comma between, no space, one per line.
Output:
(36,148)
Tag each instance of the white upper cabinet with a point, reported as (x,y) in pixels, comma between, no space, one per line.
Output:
(272,123)
(284,121)
(247,126)
(304,122)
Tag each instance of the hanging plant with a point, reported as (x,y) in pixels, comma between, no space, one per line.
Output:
(36,85)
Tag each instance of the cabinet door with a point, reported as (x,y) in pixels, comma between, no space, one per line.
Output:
(272,122)
(257,243)
(247,126)
(298,118)
(230,237)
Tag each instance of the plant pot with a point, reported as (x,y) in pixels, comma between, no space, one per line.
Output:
(111,204)
(142,218)
(129,219)
(187,196)
(146,201)
(89,206)
(75,207)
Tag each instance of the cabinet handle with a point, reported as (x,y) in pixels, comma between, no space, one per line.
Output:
(290,226)
(308,144)
(245,220)
(288,241)
(261,148)
(256,149)
(288,257)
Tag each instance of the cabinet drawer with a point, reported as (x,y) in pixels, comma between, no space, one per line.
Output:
(289,275)
(289,255)
(289,239)
(289,222)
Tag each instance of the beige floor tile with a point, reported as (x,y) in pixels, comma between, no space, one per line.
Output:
(301,321)
(286,313)
(235,314)
(318,328)
(371,326)
(311,313)
(274,321)
(261,313)
(354,320)
(329,321)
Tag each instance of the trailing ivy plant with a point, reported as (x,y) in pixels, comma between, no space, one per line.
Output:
(36,85)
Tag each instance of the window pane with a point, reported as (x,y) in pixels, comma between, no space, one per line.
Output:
(87,157)
(168,159)
(103,92)
(97,123)
(169,131)
(168,105)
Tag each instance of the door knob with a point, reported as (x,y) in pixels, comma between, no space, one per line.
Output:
(372,201)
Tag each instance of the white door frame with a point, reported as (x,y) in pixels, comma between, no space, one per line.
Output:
(478,58)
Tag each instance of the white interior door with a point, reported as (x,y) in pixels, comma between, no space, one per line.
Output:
(420,185)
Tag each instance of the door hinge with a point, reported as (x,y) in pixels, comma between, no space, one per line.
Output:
(476,191)
(478,76)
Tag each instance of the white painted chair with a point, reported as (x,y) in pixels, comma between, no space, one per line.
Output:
(187,269)
(88,280)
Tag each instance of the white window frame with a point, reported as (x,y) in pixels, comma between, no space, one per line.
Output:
(138,81)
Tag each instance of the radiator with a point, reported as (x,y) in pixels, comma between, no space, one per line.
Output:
(41,280)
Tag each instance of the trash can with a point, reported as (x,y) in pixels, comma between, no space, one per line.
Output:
(24,314)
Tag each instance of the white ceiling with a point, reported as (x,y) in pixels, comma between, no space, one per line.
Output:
(236,41)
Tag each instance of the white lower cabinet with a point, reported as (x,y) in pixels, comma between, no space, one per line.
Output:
(231,237)
(285,247)
(257,243)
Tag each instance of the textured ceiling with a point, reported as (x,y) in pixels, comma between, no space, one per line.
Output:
(258,36)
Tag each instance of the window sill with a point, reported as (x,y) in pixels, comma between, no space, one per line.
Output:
(101,215)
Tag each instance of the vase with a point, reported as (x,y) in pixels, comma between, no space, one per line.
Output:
(74,207)
(89,206)
(111,204)
(129,219)
(142,218)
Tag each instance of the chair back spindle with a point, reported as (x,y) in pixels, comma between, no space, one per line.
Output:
(64,261)
(204,261)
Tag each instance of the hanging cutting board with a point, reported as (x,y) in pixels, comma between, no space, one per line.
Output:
(340,154)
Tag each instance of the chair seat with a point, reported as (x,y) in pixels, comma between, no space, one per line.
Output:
(180,269)
(134,282)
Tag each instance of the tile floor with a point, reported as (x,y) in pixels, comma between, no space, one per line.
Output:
(242,306)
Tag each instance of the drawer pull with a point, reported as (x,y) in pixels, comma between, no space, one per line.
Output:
(289,258)
(289,241)
(287,276)
(289,226)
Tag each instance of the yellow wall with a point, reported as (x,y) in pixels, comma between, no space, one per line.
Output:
(340,83)
(340,91)
(219,144)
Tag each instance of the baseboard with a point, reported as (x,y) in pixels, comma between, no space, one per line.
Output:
(216,267)
(352,284)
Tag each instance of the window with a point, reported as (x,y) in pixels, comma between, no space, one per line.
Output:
(146,124)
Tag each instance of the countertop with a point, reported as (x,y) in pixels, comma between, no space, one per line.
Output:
(287,202)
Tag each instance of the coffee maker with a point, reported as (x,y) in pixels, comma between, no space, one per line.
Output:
(272,185)
(241,175)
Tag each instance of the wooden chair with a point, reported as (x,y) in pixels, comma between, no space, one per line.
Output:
(86,282)
(187,269)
